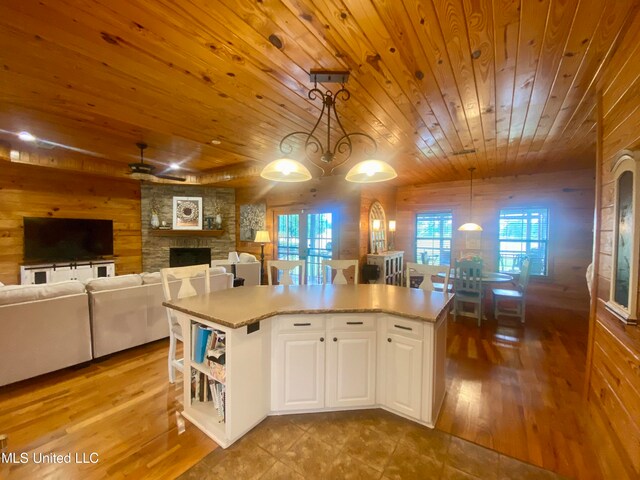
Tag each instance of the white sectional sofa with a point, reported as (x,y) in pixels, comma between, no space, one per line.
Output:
(248,268)
(44,328)
(127,311)
(52,326)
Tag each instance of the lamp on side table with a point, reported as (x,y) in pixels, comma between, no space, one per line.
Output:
(262,237)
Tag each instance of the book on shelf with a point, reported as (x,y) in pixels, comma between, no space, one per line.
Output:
(218,372)
(200,390)
(218,392)
(202,336)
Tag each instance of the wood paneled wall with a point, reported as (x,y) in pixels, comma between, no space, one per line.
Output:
(31,191)
(613,365)
(569,196)
(332,194)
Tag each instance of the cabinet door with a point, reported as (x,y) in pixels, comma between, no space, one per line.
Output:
(351,368)
(83,273)
(299,371)
(60,274)
(404,374)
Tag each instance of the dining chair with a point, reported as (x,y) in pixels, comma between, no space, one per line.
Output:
(468,287)
(515,299)
(286,267)
(427,272)
(328,266)
(186,289)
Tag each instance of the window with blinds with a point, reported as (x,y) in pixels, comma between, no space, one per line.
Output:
(523,233)
(433,238)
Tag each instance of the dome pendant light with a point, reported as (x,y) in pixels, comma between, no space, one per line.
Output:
(331,154)
(470,226)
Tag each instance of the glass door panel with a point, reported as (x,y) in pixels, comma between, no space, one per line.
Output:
(288,243)
(305,237)
(319,245)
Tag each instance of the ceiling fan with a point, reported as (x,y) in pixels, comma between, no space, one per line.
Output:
(144,171)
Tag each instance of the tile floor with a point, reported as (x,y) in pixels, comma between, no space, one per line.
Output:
(361,444)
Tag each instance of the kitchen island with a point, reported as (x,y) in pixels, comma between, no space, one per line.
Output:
(312,348)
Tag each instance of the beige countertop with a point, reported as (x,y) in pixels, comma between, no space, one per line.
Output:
(237,307)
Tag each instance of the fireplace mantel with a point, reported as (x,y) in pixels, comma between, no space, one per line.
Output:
(186,233)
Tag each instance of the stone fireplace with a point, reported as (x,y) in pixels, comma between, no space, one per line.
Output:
(156,249)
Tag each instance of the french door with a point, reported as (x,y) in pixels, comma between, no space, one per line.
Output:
(305,236)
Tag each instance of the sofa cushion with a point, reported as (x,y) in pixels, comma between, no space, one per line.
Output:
(151,278)
(61,289)
(18,294)
(28,293)
(247,258)
(113,283)
(216,270)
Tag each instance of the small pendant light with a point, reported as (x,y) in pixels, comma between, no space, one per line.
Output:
(470,226)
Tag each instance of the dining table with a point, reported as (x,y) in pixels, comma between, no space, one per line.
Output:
(487,278)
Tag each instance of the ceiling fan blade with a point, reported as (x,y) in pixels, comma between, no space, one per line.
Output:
(175,178)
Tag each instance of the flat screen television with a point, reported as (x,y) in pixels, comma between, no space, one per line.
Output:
(66,239)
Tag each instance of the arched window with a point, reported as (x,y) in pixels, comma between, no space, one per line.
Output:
(377,228)
(624,272)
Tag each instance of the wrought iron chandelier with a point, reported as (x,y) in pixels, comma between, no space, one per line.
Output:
(289,170)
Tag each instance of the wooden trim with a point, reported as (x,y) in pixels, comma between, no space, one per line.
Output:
(593,305)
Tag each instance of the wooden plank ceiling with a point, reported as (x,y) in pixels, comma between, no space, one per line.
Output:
(510,82)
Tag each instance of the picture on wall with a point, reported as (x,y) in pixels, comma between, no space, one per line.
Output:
(252,219)
(187,213)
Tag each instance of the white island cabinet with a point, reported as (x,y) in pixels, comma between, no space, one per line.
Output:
(298,363)
(403,364)
(351,361)
(310,349)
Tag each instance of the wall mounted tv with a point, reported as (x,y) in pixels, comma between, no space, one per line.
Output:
(66,239)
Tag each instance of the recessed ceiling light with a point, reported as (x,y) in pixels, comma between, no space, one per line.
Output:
(26,136)
(174,166)
(215,141)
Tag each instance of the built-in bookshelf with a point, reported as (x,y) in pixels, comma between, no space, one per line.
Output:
(224,378)
(208,373)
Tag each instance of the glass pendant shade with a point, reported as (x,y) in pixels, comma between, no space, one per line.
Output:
(371,171)
(286,170)
(470,226)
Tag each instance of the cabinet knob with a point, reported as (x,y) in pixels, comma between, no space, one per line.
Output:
(335,339)
(389,340)
(322,339)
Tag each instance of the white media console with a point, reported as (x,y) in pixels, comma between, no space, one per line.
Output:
(59,272)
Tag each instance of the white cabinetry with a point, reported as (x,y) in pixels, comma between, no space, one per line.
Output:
(300,363)
(403,366)
(351,362)
(313,362)
(433,373)
(391,264)
(317,366)
(59,272)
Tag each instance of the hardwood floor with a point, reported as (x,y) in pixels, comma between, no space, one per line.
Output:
(122,408)
(515,389)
